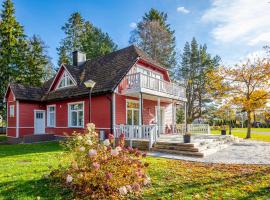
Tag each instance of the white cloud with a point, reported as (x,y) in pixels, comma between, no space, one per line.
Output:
(182,10)
(240,20)
(133,25)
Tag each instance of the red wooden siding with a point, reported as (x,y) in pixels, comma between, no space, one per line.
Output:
(26,117)
(11,130)
(100,115)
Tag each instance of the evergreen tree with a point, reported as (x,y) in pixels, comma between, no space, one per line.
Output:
(194,66)
(83,36)
(21,59)
(38,67)
(154,36)
(12,46)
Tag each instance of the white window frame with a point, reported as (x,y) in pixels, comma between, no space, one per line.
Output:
(11,108)
(48,115)
(69,114)
(133,101)
(65,76)
(152,73)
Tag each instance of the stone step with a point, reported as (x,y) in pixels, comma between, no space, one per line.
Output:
(175,144)
(185,153)
(178,148)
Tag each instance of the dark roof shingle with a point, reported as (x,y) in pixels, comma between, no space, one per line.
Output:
(107,71)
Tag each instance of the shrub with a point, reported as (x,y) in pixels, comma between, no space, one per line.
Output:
(99,171)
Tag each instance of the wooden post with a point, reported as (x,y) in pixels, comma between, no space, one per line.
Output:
(158,116)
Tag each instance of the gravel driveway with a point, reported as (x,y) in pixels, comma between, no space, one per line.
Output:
(244,152)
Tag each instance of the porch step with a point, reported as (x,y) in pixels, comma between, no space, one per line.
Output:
(186,149)
(177,147)
(177,152)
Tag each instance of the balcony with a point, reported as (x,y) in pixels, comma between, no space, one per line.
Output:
(138,82)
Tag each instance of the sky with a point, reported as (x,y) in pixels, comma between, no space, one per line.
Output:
(233,29)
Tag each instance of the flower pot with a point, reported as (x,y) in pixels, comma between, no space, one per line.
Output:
(187,138)
(223,132)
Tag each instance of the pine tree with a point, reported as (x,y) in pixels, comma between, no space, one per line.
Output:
(154,35)
(83,36)
(12,45)
(194,66)
(38,67)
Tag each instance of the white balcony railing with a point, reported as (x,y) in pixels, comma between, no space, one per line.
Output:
(141,81)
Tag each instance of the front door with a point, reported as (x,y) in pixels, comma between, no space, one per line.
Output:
(39,121)
(161,123)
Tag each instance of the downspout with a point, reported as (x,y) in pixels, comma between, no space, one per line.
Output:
(111,112)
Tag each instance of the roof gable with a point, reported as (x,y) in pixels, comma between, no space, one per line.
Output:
(63,72)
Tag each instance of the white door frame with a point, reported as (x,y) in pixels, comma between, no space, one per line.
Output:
(163,117)
(44,112)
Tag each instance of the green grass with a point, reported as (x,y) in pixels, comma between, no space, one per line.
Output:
(22,170)
(242,133)
(2,138)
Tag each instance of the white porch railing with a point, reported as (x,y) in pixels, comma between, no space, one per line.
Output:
(133,132)
(194,129)
(139,81)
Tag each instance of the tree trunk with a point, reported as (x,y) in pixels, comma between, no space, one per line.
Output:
(248,124)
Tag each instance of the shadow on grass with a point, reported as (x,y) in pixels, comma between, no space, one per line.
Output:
(32,189)
(218,186)
(21,149)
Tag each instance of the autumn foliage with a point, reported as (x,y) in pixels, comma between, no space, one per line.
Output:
(99,171)
(245,86)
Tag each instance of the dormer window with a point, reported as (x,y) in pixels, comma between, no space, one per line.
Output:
(65,81)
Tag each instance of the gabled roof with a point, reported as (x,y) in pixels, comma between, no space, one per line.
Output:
(107,71)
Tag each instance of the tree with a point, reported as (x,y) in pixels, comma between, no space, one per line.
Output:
(245,86)
(154,36)
(83,36)
(12,46)
(21,59)
(193,69)
(37,66)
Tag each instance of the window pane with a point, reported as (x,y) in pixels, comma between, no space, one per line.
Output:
(80,118)
(132,104)
(129,117)
(51,108)
(62,83)
(74,118)
(52,119)
(80,106)
(69,82)
(135,117)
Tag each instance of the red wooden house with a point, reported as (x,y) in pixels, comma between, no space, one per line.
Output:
(131,90)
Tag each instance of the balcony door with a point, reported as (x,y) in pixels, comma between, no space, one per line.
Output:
(132,112)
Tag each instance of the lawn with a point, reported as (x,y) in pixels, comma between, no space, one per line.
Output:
(23,167)
(2,138)
(258,135)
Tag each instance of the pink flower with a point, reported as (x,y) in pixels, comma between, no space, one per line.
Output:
(108,175)
(69,179)
(129,188)
(136,187)
(96,165)
(147,180)
(106,142)
(123,190)
(118,148)
(92,152)
(114,152)
(82,148)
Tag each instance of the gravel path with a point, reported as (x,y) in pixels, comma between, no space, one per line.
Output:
(244,152)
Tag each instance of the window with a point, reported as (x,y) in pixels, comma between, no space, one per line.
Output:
(65,81)
(11,111)
(51,116)
(76,115)
(149,73)
(132,107)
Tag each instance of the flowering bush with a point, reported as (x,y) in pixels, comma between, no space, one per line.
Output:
(99,171)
